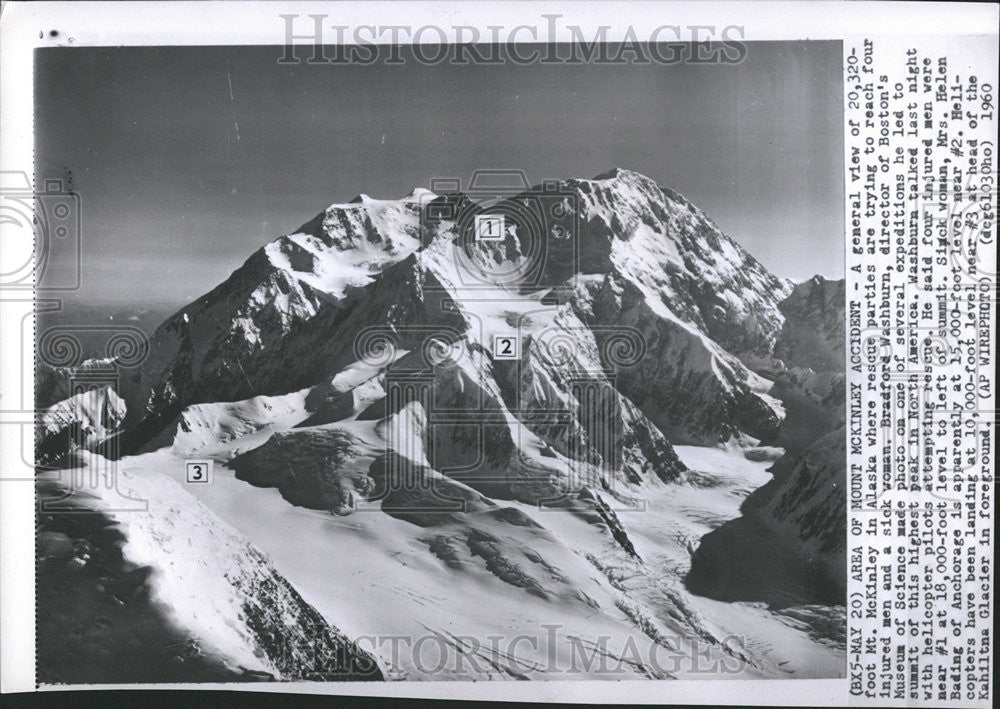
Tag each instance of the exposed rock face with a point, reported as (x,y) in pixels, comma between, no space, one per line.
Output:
(330,404)
(813,332)
(806,500)
(807,365)
(609,518)
(53,384)
(809,502)
(788,547)
(815,405)
(687,384)
(677,257)
(564,390)
(317,468)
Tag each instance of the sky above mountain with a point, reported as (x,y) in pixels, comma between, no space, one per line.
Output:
(187,159)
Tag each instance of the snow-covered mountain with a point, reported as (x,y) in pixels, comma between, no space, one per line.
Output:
(84,421)
(306,297)
(789,543)
(239,339)
(403,473)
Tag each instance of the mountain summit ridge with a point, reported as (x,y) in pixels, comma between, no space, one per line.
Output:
(306,296)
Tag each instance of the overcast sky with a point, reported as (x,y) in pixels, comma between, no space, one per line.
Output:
(188,159)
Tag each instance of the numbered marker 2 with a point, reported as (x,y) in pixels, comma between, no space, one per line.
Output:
(199,471)
(506,347)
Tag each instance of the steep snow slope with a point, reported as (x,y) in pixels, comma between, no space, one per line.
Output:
(204,581)
(201,428)
(672,252)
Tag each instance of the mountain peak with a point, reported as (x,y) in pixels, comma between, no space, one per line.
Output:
(622,179)
(819,283)
(616,173)
(417,194)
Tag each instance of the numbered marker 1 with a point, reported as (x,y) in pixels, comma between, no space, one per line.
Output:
(489,227)
(199,471)
(506,347)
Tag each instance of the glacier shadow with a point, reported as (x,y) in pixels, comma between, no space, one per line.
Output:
(744,560)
